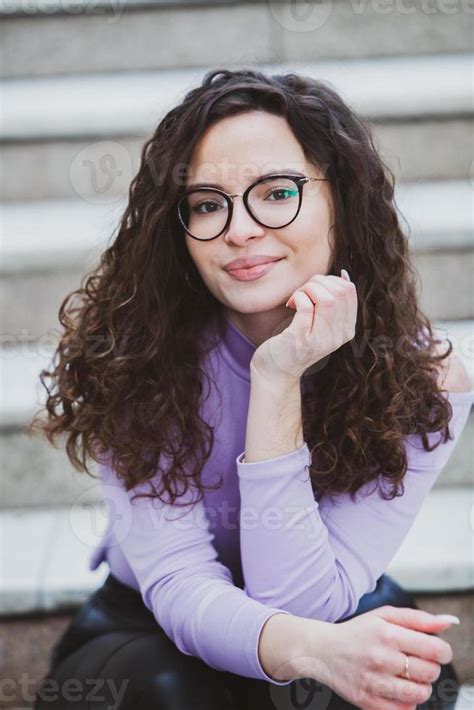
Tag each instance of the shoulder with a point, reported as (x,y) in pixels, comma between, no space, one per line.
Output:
(452,374)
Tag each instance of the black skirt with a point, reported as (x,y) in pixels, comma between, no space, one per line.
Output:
(113,655)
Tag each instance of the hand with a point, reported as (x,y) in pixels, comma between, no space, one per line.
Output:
(364,658)
(325,318)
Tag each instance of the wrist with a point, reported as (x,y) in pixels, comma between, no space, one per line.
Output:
(280,646)
(314,651)
(274,419)
(292,647)
(279,383)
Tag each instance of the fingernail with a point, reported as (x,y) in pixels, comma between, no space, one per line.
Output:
(345,274)
(286,304)
(448,617)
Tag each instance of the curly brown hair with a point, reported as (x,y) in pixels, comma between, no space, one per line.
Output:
(126,377)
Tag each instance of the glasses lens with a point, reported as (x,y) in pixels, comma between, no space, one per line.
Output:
(204,212)
(274,201)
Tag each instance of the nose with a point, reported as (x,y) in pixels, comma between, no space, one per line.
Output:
(242,226)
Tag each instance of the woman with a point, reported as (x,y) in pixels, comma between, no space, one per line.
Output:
(250,349)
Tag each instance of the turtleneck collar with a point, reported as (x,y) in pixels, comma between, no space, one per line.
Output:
(239,348)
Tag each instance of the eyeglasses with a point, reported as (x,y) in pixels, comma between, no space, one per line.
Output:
(273,201)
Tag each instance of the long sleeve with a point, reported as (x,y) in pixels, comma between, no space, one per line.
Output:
(191,594)
(317,559)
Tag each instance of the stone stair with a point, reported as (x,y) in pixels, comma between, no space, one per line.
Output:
(84,81)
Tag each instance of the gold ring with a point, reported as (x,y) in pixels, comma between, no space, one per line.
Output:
(406,673)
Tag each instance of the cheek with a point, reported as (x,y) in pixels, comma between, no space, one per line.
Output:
(199,254)
(311,233)
(311,247)
(206,261)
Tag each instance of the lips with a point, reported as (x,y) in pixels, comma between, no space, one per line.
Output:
(249,262)
(253,272)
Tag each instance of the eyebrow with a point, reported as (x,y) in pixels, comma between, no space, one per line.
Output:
(296,173)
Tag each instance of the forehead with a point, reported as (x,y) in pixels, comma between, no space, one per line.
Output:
(238,149)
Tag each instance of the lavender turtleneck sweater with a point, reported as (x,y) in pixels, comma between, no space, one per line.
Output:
(261,544)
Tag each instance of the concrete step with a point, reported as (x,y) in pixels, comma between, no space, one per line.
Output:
(131,103)
(80,119)
(437,272)
(33,233)
(437,557)
(53,573)
(26,643)
(34,473)
(438,216)
(102,36)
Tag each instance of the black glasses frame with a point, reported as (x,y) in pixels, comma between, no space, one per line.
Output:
(299,180)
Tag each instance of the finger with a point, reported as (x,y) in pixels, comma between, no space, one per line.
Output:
(420,670)
(309,288)
(320,293)
(341,281)
(337,285)
(380,704)
(336,301)
(303,318)
(423,645)
(406,691)
(334,284)
(345,307)
(415,618)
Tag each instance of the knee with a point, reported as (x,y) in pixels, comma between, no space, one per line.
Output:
(164,688)
(143,671)
(160,676)
(175,689)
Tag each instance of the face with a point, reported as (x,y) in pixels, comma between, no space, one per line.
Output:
(233,153)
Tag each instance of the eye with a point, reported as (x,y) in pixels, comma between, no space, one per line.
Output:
(284,193)
(213,207)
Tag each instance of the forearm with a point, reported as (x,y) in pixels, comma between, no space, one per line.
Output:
(292,647)
(274,420)
(287,558)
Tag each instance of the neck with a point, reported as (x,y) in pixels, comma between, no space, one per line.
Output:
(258,327)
